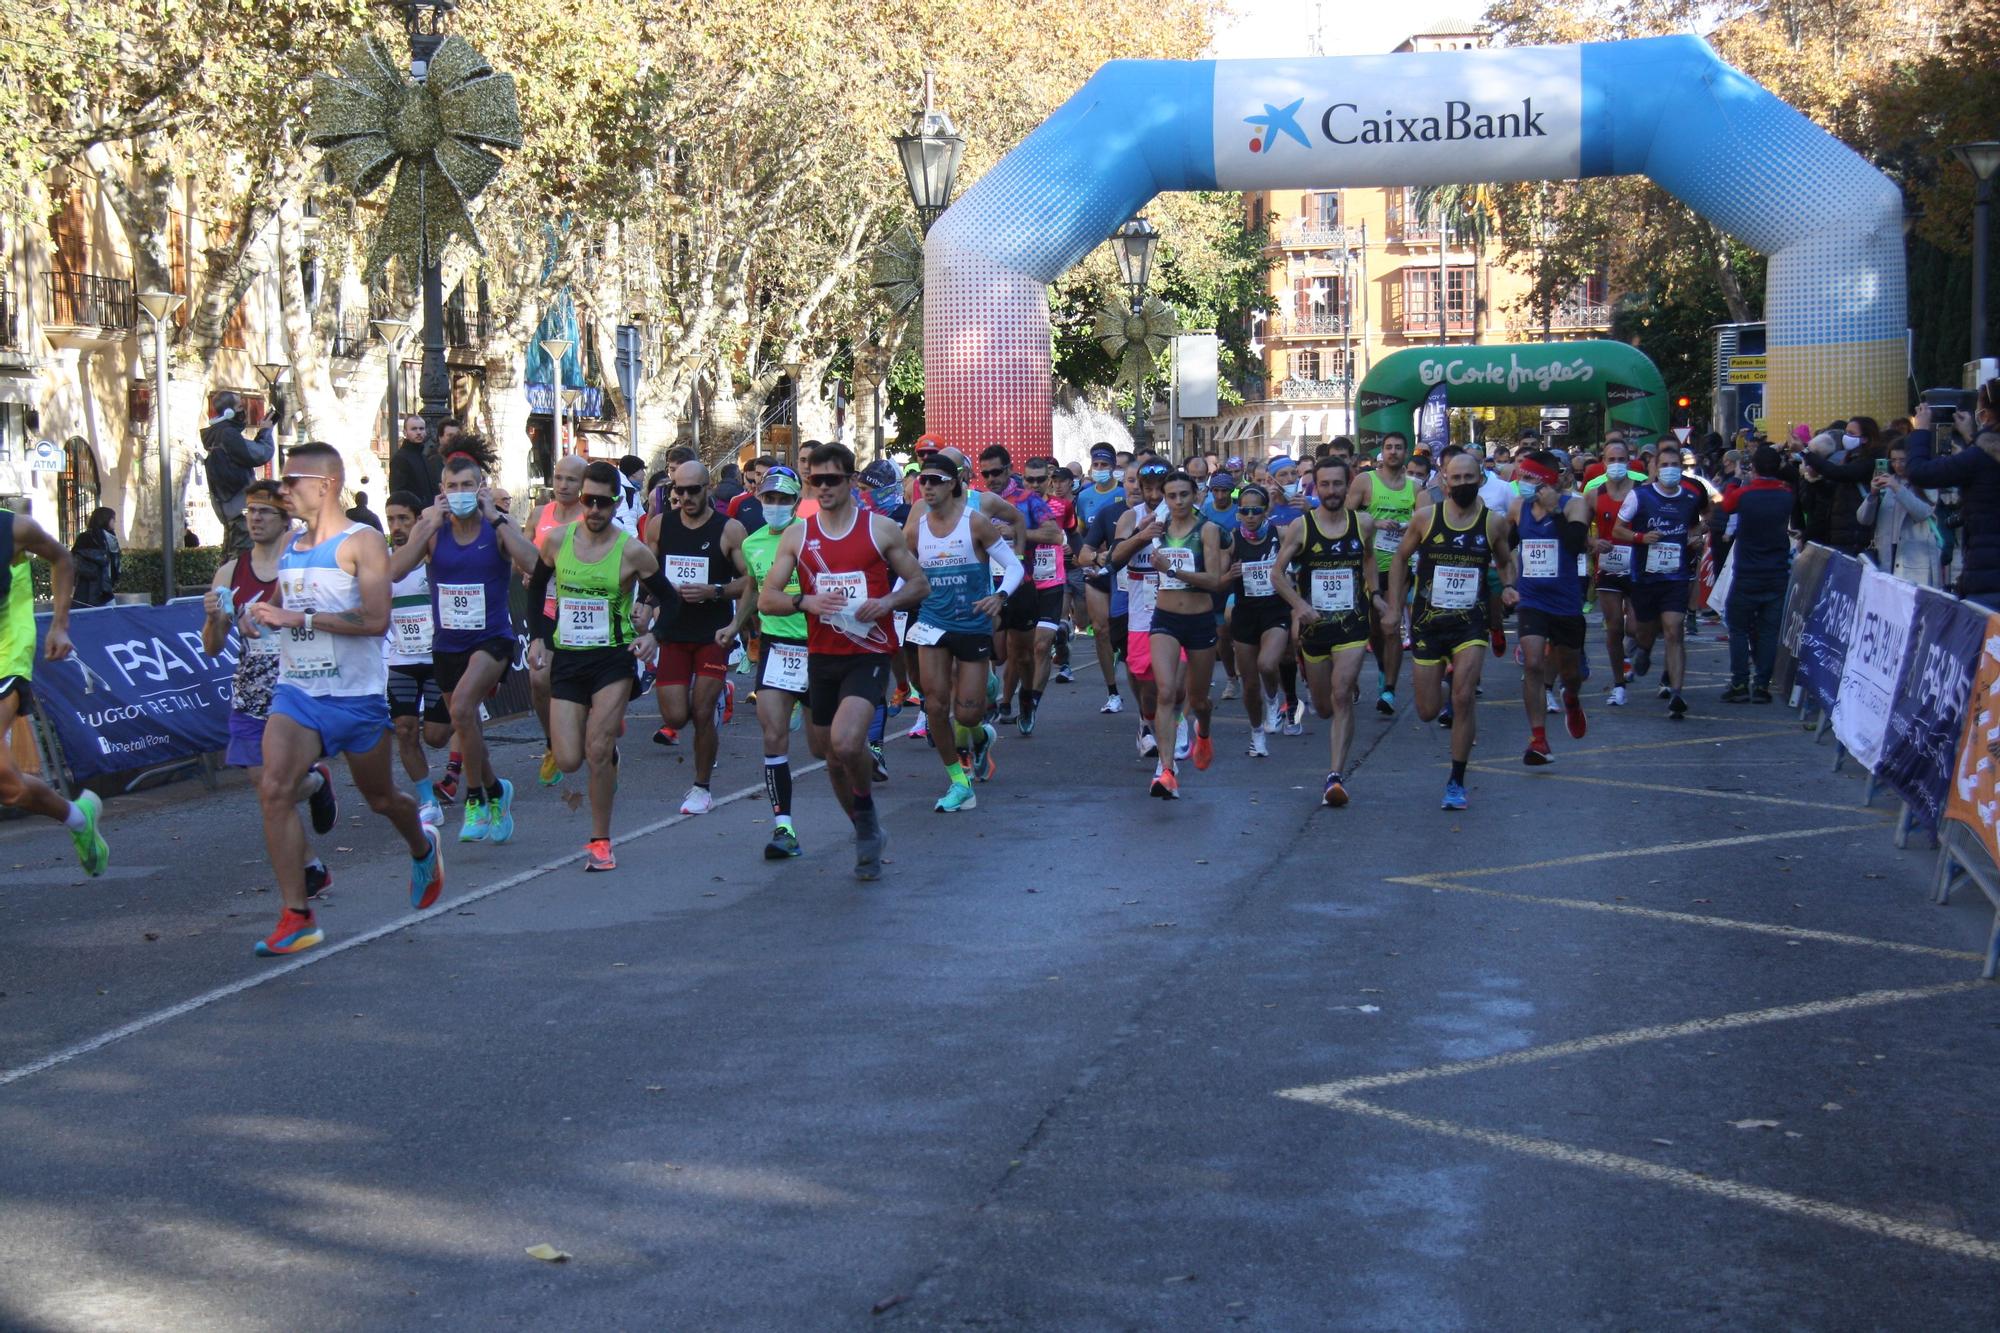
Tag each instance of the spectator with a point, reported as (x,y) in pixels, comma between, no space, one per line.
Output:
(98,558)
(1976,474)
(631,501)
(1839,471)
(728,485)
(1906,541)
(233,455)
(189,541)
(1758,518)
(408,468)
(361,513)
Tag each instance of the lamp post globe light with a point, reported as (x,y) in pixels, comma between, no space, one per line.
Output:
(1983,160)
(930,151)
(1133,244)
(555,349)
(158,307)
(423,25)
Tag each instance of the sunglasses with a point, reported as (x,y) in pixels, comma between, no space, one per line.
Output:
(1036,481)
(1250,511)
(993,472)
(599,501)
(264,511)
(932,479)
(689,490)
(292,477)
(829,479)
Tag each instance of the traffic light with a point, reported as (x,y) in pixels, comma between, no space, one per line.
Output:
(1683,402)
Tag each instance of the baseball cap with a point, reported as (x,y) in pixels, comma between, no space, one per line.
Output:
(881,472)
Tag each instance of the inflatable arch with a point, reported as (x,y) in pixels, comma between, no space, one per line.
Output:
(1615,376)
(1664,107)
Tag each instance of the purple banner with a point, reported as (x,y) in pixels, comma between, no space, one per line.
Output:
(1928,712)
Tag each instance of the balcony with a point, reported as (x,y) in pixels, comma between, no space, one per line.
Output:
(350,340)
(464,333)
(10,321)
(91,301)
(1306,234)
(1581,315)
(1305,326)
(1426,321)
(1335,391)
(1419,233)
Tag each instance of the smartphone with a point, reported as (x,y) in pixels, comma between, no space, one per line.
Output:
(1881,467)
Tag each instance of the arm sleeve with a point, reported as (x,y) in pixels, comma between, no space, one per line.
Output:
(1575,535)
(1913,502)
(538,600)
(1002,554)
(664,596)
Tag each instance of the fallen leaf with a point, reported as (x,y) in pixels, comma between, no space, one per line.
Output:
(1755,1124)
(888,1304)
(573,799)
(1831,1106)
(1180,1277)
(343,849)
(548,1254)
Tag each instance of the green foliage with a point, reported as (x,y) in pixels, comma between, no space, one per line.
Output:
(139,570)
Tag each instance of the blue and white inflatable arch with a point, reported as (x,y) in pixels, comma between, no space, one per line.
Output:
(1663,107)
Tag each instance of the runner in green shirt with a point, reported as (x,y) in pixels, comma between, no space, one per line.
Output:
(781,659)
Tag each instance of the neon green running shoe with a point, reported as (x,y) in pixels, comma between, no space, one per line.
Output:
(92,852)
(478,823)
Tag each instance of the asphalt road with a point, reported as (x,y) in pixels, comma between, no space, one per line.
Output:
(1664,1036)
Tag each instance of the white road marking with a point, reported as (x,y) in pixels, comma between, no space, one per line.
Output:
(1542,775)
(1704,845)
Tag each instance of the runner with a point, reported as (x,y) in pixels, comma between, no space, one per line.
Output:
(701,554)
(1388,495)
(1188,554)
(1047,524)
(1260,625)
(1661,517)
(1455,542)
(781,662)
(1606,495)
(953,630)
(1142,584)
(1342,597)
(565,507)
(594,662)
(1105,493)
(417,707)
(332,692)
(240,582)
(995,465)
(845,560)
(1551,531)
(20,538)
(1217,498)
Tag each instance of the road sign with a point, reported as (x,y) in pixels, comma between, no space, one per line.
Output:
(1744,370)
(1555,412)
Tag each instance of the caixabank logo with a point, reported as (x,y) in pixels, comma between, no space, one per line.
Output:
(1345,123)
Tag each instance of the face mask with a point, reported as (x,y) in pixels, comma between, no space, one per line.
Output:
(1527,488)
(1670,476)
(1850,441)
(887,498)
(1294,489)
(1100,475)
(1464,494)
(777,516)
(464,504)
(1616,471)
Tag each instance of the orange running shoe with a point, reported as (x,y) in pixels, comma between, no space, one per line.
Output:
(1203,753)
(1165,785)
(597,855)
(296,932)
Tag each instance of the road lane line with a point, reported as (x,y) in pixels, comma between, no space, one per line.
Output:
(1585,858)
(1542,775)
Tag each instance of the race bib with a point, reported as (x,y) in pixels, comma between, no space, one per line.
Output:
(1538,559)
(1169,559)
(1045,564)
(785,668)
(306,654)
(1582,565)
(1332,590)
(850,587)
(1139,602)
(685,568)
(1617,560)
(1388,536)
(1257,578)
(461,606)
(410,630)
(1455,587)
(923,634)
(1663,558)
(583,622)
(265,643)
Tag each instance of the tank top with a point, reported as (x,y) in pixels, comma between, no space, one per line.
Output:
(256,657)
(694,555)
(1548,578)
(958,577)
(322,664)
(1329,566)
(849,566)
(412,629)
(1672,516)
(592,610)
(1143,584)
(545,520)
(17,606)
(1180,553)
(760,552)
(1256,558)
(1391,511)
(1452,562)
(469,590)
(1046,563)
(1604,510)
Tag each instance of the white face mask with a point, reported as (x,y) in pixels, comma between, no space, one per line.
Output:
(1294,489)
(1101,475)
(1670,475)
(1615,471)
(1850,441)
(777,516)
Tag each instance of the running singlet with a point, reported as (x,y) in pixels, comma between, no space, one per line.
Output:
(694,555)
(1142,588)
(1329,578)
(849,566)
(469,590)
(1673,517)
(760,552)
(411,631)
(1256,558)
(1391,511)
(256,657)
(545,521)
(1172,555)
(314,661)
(1451,566)
(1617,562)
(1089,500)
(592,610)
(17,608)
(1548,579)
(1046,563)
(958,578)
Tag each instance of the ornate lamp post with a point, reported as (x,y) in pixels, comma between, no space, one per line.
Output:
(930,151)
(1134,244)
(1983,159)
(158,306)
(271,372)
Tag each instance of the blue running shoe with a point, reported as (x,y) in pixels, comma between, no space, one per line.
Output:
(427,874)
(500,814)
(1454,796)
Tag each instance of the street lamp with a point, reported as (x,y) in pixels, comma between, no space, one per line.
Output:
(423,25)
(571,397)
(392,332)
(271,372)
(1134,244)
(1983,158)
(930,151)
(792,372)
(158,306)
(555,349)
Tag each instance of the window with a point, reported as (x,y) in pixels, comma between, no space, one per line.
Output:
(1257,213)
(1326,209)
(1420,297)
(1305,365)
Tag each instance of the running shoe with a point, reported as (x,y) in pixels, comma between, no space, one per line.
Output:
(1761,695)
(1549,701)
(430,812)
(1677,709)
(698,801)
(475,828)
(899,698)
(500,814)
(1274,717)
(959,797)
(1295,723)
(869,842)
(881,762)
(1149,744)
(725,704)
(1499,640)
(1165,785)
(1617,699)
(597,855)
(1642,662)
(1006,716)
(427,874)
(1229,688)
(1335,794)
(1666,690)
(1444,718)
(1454,796)
(1537,755)
(798,716)
(1065,675)
(1385,703)
(982,752)
(922,731)
(550,774)
(740,660)
(1258,750)
(324,808)
(1298,713)
(296,932)
(1112,704)
(92,852)
(784,844)
(1183,739)
(666,736)
(1736,694)
(318,879)
(447,786)
(1573,714)
(1027,718)
(1203,753)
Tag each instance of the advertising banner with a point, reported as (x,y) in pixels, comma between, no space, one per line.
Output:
(1974,799)
(1873,667)
(1807,570)
(1828,628)
(1929,710)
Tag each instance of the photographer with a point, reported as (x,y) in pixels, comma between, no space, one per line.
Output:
(1976,474)
(234,453)
(1838,474)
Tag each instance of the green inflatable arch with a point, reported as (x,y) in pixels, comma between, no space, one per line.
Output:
(1615,376)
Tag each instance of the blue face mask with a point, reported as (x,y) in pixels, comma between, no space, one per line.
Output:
(464,504)
(1669,475)
(1527,488)
(1100,475)
(776,516)
(886,497)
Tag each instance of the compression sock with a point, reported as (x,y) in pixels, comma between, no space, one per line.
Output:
(956,772)
(962,734)
(875,727)
(864,803)
(455,762)
(778,785)
(425,795)
(1458,771)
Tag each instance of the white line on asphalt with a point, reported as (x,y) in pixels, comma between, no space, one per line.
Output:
(1539,775)
(1585,858)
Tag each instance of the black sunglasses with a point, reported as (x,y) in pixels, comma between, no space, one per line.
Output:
(829,479)
(1249,511)
(1036,480)
(932,479)
(696,489)
(993,472)
(599,501)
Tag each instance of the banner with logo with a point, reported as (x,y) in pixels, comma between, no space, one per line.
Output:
(1974,797)
(1929,710)
(1828,624)
(1872,670)
(1803,590)
(1434,421)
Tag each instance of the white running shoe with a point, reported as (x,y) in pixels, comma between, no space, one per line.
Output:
(1554,705)
(431,813)
(1273,715)
(1112,704)
(1258,750)
(698,801)
(1148,746)
(1617,699)
(1183,741)
(1229,688)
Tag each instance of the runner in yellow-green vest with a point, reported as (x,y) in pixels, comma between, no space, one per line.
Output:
(20,538)
(1389,496)
(781,659)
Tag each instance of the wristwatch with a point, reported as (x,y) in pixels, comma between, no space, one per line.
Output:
(308,626)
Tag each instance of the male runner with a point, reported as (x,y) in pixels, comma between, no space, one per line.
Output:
(1388,495)
(1045,533)
(1455,542)
(1259,623)
(1142,583)
(701,554)
(593,665)
(1105,492)
(1216,495)
(1661,518)
(846,561)
(1551,531)
(1188,555)
(332,692)
(1018,620)
(1606,495)
(1335,596)
(417,707)
(565,507)
(781,659)
(957,548)
(20,538)
(246,578)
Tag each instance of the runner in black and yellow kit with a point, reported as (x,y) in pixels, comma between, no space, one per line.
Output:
(1455,542)
(1335,597)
